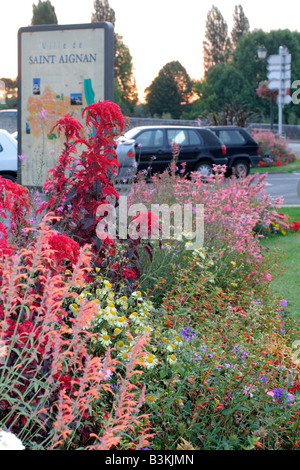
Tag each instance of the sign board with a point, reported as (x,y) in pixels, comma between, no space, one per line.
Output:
(282,100)
(278,84)
(276,60)
(278,75)
(62,69)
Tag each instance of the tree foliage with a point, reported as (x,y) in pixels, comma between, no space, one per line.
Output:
(169,91)
(124,77)
(103,12)
(125,90)
(238,79)
(240,25)
(216,46)
(254,70)
(43,13)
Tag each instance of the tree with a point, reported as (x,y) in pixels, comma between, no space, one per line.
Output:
(125,90)
(103,12)
(124,78)
(240,25)
(169,91)
(254,70)
(216,47)
(43,13)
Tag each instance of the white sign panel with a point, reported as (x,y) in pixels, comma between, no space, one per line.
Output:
(277,84)
(283,99)
(278,75)
(275,59)
(62,69)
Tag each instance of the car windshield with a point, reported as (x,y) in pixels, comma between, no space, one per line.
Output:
(131,133)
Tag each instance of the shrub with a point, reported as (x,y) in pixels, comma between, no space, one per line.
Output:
(275,150)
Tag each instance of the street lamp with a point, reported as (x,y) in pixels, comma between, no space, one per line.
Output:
(262,54)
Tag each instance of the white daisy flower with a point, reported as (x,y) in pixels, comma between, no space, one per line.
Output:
(172,359)
(150,361)
(104,338)
(121,322)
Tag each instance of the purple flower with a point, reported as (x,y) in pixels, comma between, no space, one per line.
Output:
(22,157)
(283,303)
(280,393)
(187,333)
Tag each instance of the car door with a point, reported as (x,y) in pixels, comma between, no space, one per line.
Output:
(151,150)
(8,153)
(189,144)
(235,142)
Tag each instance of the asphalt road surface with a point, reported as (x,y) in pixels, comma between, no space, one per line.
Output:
(286,185)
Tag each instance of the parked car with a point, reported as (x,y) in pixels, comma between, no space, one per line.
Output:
(126,154)
(199,148)
(8,156)
(243,151)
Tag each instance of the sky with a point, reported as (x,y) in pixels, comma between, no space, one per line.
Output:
(155,31)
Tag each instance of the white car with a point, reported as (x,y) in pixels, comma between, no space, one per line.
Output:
(8,156)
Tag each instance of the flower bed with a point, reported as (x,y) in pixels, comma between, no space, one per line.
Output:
(275,150)
(142,343)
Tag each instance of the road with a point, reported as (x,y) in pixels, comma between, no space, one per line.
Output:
(286,185)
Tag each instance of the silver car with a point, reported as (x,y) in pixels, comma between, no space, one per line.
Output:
(127,158)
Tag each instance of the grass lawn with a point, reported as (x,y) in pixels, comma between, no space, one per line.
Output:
(287,285)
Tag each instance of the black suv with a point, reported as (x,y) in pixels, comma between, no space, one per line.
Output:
(199,148)
(243,151)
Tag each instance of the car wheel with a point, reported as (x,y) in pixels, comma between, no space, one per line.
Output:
(241,168)
(205,168)
(9,177)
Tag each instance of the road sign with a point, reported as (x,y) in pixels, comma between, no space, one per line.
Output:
(278,75)
(283,99)
(279,84)
(275,59)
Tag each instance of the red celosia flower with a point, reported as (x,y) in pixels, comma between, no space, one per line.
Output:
(65,248)
(128,272)
(105,116)
(71,127)
(5,247)
(145,222)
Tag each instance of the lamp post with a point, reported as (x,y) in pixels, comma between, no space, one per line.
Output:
(262,54)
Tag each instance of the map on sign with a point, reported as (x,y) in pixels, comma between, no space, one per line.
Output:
(44,110)
(62,69)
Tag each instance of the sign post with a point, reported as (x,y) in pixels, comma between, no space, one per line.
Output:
(279,76)
(62,69)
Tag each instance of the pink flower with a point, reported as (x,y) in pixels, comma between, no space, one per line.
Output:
(268,277)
